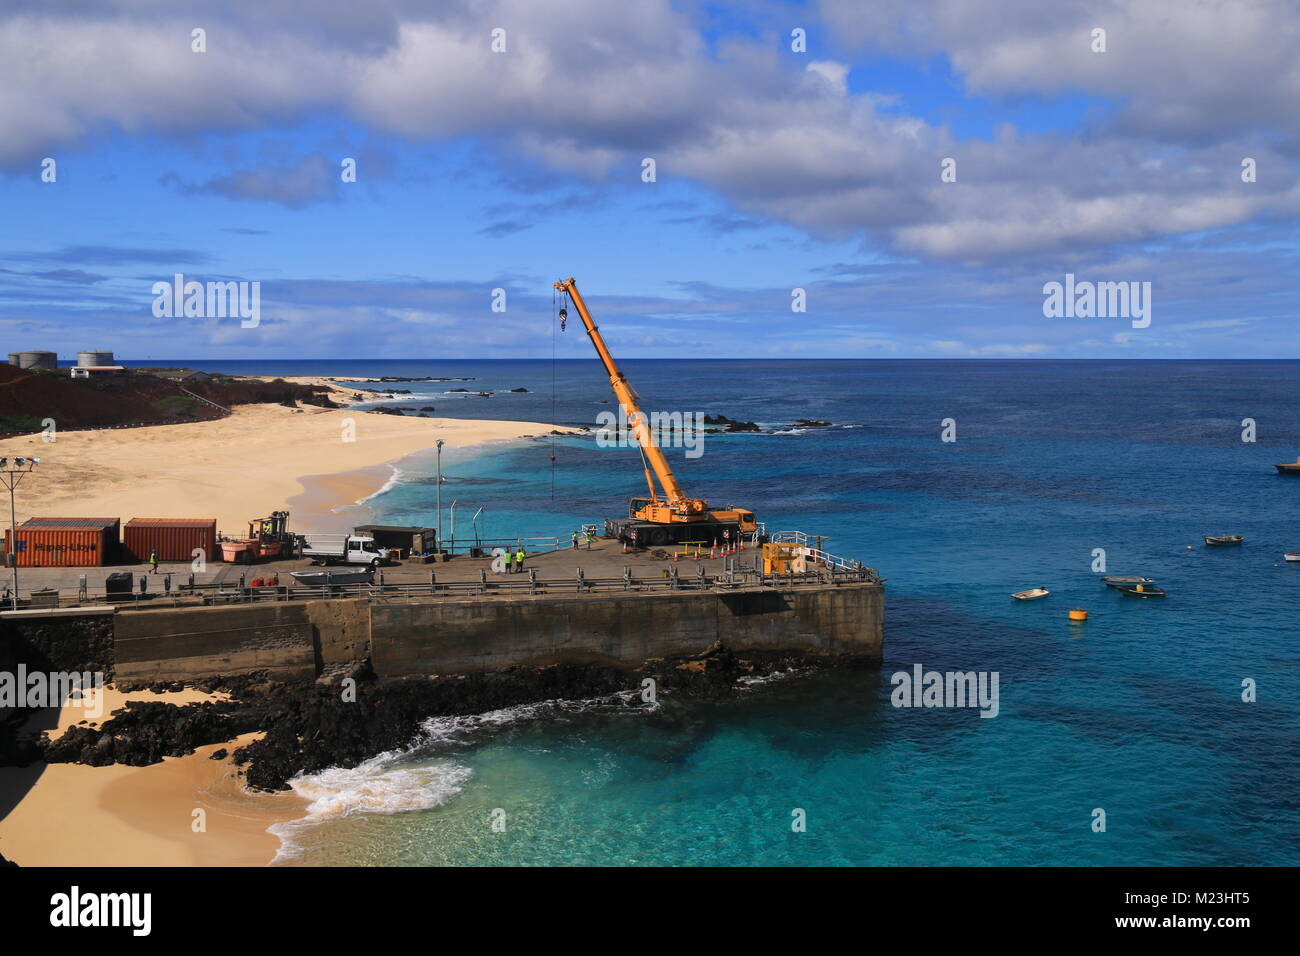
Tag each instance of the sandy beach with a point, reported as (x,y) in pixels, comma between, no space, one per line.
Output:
(259,459)
(77,815)
(232,469)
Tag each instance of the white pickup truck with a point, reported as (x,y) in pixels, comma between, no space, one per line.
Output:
(343,549)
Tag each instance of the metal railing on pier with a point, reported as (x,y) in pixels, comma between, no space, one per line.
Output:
(814,552)
(733,577)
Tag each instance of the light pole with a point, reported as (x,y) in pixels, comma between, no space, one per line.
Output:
(438,494)
(453,524)
(478,541)
(13,471)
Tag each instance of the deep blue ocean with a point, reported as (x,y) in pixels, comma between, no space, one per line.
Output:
(1138,712)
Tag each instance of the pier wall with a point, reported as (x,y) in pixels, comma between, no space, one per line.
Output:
(296,640)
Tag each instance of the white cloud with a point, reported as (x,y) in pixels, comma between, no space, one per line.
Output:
(590,87)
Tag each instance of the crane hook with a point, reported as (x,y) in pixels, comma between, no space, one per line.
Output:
(564,317)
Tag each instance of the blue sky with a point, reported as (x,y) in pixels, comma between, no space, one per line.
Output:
(776,169)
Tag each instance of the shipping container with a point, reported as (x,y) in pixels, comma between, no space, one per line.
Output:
(175,538)
(64,542)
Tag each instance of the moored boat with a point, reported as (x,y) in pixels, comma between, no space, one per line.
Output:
(1221,540)
(1118,580)
(1033,594)
(1141,590)
(1292,556)
(332,577)
(1289,467)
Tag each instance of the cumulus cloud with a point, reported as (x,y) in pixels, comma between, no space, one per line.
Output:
(1193,71)
(589,88)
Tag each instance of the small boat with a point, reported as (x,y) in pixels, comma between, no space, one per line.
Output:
(333,577)
(1140,590)
(1118,580)
(1219,541)
(1292,555)
(1033,594)
(1289,468)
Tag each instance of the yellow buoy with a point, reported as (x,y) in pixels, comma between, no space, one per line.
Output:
(1078,614)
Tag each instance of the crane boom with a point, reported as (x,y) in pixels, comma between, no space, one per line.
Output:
(674,517)
(673,495)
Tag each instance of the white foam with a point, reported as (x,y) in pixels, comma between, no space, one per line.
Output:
(421,776)
(750,681)
(394,479)
(380,785)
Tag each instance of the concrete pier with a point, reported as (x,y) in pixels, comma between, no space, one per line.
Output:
(468,630)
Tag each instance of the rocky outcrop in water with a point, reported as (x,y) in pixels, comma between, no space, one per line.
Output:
(730,424)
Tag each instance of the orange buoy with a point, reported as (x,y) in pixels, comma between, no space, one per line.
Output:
(1078,614)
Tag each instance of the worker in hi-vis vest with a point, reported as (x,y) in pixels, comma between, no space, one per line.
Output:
(519,559)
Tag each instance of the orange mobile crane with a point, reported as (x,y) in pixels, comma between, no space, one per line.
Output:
(672,517)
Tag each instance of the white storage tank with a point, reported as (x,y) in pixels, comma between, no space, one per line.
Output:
(38,359)
(94,358)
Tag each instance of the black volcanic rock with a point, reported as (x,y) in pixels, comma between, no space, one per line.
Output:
(386,410)
(144,732)
(518,389)
(730,424)
(309,726)
(809,423)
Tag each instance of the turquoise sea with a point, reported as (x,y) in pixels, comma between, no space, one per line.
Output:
(1138,712)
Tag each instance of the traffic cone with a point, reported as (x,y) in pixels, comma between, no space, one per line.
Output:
(697,552)
(674,555)
(625,546)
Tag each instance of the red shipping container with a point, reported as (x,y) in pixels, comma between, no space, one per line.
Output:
(174,538)
(65,542)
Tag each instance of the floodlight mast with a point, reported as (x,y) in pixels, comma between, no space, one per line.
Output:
(13,473)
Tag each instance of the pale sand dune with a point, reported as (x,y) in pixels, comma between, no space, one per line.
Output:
(234,469)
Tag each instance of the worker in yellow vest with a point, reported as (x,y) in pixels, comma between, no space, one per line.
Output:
(519,558)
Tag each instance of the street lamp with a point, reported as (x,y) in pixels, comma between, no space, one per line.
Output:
(13,470)
(438,494)
(453,524)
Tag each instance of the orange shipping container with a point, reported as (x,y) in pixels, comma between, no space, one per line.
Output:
(64,542)
(175,538)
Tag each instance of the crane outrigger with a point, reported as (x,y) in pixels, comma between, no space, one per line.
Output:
(668,515)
